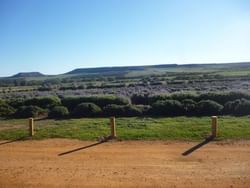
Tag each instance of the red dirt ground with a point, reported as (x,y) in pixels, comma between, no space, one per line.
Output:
(124,164)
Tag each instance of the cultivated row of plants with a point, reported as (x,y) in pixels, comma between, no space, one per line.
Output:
(234,103)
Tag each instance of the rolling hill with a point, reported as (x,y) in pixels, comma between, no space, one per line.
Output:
(27,75)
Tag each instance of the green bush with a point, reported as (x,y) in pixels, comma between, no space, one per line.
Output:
(144,109)
(113,110)
(208,107)
(149,100)
(58,112)
(184,96)
(167,107)
(43,102)
(243,108)
(121,110)
(16,103)
(140,99)
(237,107)
(219,97)
(189,107)
(87,110)
(230,107)
(72,102)
(130,110)
(29,111)
(223,98)
(154,98)
(5,109)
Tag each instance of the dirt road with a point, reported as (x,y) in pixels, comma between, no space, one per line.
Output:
(68,163)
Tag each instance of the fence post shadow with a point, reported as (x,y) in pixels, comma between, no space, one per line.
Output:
(16,140)
(106,139)
(191,150)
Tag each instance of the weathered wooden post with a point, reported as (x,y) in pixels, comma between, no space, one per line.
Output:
(31,126)
(214,126)
(113,127)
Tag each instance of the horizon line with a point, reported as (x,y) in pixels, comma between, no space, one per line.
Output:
(146,65)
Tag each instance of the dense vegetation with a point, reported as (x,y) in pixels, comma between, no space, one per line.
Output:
(231,103)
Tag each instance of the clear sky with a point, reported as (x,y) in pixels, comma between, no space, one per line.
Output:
(56,36)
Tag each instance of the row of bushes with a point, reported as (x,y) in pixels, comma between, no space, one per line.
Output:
(69,102)
(167,107)
(72,102)
(81,110)
(221,98)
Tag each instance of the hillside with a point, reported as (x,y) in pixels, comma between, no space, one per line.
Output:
(28,75)
(117,69)
(129,71)
(165,67)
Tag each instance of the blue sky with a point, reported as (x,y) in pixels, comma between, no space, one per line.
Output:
(56,36)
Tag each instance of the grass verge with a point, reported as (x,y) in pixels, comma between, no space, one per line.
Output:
(135,128)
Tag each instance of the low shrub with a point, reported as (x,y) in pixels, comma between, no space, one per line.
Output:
(29,111)
(223,98)
(121,110)
(208,107)
(87,110)
(155,98)
(101,101)
(16,103)
(43,102)
(230,107)
(144,109)
(184,96)
(243,108)
(219,97)
(58,112)
(6,110)
(189,107)
(167,107)
(238,107)
(140,99)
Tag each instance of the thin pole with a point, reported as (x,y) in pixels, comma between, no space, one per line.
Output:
(214,126)
(31,126)
(113,127)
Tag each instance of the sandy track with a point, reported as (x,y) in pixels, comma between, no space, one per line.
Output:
(124,164)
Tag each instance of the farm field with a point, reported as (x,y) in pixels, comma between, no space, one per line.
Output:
(133,128)
(74,163)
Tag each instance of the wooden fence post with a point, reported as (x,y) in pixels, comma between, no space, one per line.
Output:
(31,126)
(214,126)
(113,127)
